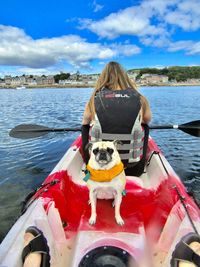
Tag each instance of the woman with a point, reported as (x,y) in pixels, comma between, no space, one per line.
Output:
(116,109)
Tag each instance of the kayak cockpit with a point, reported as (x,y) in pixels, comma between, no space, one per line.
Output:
(152,211)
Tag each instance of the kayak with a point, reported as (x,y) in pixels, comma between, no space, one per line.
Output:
(156,209)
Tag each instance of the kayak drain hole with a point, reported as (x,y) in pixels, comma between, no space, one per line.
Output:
(107,256)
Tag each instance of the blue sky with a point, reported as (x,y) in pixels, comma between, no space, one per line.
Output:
(46,37)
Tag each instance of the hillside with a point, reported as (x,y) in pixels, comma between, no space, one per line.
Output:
(174,73)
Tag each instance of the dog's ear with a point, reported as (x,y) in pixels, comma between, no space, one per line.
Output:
(89,146)
(117,143)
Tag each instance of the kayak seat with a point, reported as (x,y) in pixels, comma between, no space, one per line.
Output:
(153,176)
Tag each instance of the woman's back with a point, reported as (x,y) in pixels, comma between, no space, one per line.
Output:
(117,110)
(113,77)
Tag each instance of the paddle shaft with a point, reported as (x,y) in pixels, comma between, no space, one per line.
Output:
(164,127)
(79,129)
(51,130)
(25,131)
(192,128)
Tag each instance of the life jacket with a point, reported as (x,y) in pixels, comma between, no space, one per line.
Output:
(118,118)
(105,175)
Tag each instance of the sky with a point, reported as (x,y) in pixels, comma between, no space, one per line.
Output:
(48,36)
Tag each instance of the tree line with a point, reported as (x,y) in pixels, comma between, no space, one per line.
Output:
(174,73)
(61,76)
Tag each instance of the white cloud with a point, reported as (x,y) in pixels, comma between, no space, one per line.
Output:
(144,19)
(126,49)
(186,15)
(125,22)
(160,67)
(180,45)
(152,22)
(190,47)
(156,41)
(158,7)
(179,19)
(16,70)
(96,6)
(19,49)
(39,71)
(195,49)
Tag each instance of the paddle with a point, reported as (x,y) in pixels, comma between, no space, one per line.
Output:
(25,131)
(192,127)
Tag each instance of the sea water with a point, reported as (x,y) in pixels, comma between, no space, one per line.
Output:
(24,164)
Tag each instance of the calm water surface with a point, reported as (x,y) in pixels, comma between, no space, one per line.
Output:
(24,164)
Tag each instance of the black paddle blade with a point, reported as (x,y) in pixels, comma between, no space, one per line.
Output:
(26,131)
(192,128)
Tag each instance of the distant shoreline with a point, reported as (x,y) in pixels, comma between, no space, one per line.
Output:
(92,86)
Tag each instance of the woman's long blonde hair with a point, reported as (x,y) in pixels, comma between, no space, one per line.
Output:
(113,77)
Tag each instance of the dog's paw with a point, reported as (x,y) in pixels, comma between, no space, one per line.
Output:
(92,219)
(119,220)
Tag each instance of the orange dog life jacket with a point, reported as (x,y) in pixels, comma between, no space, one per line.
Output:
(105,175)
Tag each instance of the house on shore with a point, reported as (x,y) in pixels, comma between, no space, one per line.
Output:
(154,79)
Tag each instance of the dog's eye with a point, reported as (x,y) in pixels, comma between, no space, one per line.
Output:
(110,150)
(96,150)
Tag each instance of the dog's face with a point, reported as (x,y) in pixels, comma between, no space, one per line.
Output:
(104,155)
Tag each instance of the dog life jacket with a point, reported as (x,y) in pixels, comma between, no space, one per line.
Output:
(118,118)
(105,175)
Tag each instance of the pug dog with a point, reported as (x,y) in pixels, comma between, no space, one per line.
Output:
(106,177)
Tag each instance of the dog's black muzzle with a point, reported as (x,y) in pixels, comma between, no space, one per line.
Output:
(103,154)
(103,157)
